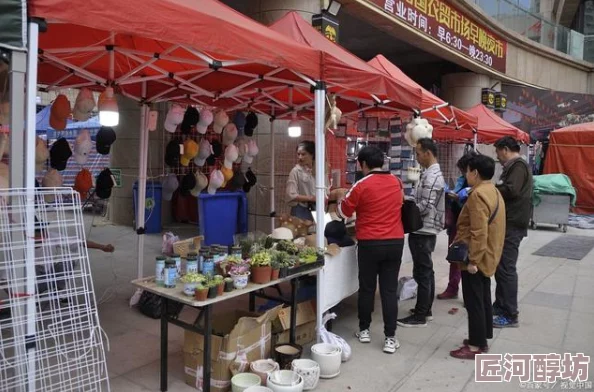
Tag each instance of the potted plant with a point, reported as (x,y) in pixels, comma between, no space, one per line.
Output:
(219,282)
(191,281)
(288,247)
(201,293)
(212,289)
(228,285)
(308,255)
(240,274)
(261,270)
(275,270)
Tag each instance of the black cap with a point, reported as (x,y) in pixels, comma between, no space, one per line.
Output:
(59,154)
(211,160)
(238,180)
(104,184)
(188,183)
(191,118)
(172,153)
(251,180)
(217,148)
(251,123)
(336,233)
(104,139)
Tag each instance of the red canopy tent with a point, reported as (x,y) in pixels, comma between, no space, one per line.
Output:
(491,127)
(571,152)
(447,118)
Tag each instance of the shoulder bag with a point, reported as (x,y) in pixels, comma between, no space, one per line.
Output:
(410,214)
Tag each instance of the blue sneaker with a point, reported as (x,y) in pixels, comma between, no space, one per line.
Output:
(504,322)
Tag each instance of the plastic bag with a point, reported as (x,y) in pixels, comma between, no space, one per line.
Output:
(407,288)
(150,305)
(168,240)
(332,338)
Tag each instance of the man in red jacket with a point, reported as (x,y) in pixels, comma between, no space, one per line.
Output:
(377,201)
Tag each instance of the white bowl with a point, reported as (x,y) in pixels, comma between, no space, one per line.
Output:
(263,367)
(285,381)
(328,356)
(258,389)
(240,382)
(309,370)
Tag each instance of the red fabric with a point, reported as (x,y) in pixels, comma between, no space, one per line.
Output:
(358,76)
(428,100)
(571,152)
(491,127)
(377,200)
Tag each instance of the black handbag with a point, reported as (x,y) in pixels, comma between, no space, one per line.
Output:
(411,217)
(458,251)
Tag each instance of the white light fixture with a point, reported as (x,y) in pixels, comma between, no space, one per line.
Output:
(109,115)
(294,128)
(333,7)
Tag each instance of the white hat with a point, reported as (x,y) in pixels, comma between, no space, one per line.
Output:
(204,152)
(170,185)
(41,153)
(175,116)
(220,120)
(229,134)
(82,147)
(52,179)
(242,149)
(252,151)
(216,181)
(231,155)
(201,183)
(206,118)
(282,233)
(84,105)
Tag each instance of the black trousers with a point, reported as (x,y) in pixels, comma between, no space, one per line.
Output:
(506,276)
(421,248)
(383,260)
(477,298)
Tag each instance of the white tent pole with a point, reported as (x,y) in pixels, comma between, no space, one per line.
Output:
(272,172)
(30,139)
(320,106)
(475,139)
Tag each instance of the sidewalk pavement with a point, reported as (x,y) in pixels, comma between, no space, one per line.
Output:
(556,316)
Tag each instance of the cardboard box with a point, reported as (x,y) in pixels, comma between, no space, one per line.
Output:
(238,338)
(306,324)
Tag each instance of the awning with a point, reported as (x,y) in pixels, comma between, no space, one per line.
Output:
(13,19)
(491,127)
(432,107)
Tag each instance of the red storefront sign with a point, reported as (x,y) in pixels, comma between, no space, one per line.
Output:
(444,22)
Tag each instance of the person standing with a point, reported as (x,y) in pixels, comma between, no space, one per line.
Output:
(301,185)
(481,226)
(377,200)
(429,196)
(455,200)
(515,185)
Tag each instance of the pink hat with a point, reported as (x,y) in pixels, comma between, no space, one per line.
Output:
(206,118)
(229,134)
(41,153)
(252,151)
(82,147)
(220,120)
(84,105)
(231,155)
(216,181)
(204,152)
(175,116)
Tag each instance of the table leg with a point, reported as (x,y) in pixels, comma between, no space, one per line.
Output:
(164,341)
(293,327)
(252,302)
(207,310)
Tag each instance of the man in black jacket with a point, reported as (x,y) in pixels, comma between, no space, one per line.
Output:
(515,185)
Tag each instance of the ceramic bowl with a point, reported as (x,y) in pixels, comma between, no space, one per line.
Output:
(309,370)
(285,353)
(240,382)
(258,389)
(285,381)
(328,356)
(263,367)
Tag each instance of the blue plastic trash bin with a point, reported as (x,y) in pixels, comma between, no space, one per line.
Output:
(221,216)
(152,211)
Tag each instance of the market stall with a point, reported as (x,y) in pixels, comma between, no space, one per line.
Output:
(491,127)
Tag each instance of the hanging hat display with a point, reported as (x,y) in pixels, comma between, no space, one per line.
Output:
(229,134)
(227,174)
(41,153)
(239,121)
(82,147)
(188,183)
(201,183)
(231,155)
(251,180)
(170,185)
(104,184)
(220,120)
(204,151)
(104,139)
(206,118)
(83,183)
(242,149)
(216,181)
(52,179)
(252,151)
(59,154)
(59,113)
(190,151)
(174,117)
(172,153)
(84,105)
(251,123)
(191,118)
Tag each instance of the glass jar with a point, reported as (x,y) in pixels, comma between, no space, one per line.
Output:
(178,264)
(192,263)
(170,274)
(236,251)
(208,264)
(201,258)
(159,271)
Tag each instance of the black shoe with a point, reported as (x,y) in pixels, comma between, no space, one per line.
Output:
(429,315)
(412,322)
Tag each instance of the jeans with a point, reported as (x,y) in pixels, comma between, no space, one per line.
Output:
(506,276)
(477,297)
(421,248)
(381,260)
